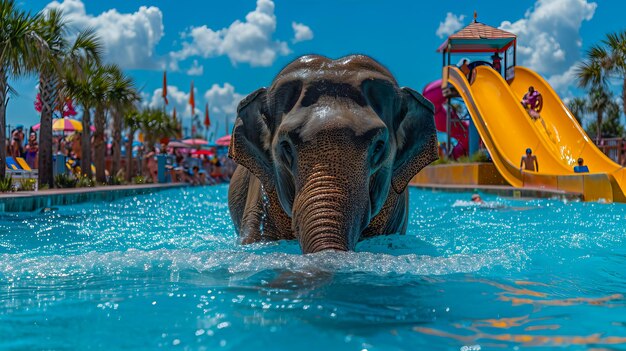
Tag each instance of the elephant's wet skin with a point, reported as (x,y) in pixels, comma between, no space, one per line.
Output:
(325,154)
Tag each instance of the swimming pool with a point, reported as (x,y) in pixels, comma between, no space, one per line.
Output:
(164,271)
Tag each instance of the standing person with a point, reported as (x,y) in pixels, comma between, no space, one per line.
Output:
(17,141)
(32,151)
(465,68)
(496,63)
(581,168)
(151,165)
(529,162)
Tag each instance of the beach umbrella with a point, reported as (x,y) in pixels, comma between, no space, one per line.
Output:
(197,141)
(65,125)
(223,141)
(177,144)
(203,152)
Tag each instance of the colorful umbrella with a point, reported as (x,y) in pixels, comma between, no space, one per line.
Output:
(177,144)
(203,152)
(223,141)
(65,125)
(195,142)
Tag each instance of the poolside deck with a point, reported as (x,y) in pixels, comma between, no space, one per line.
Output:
(504,191)
(33,200)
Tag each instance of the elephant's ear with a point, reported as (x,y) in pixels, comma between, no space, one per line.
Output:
(416,137)
(251,137)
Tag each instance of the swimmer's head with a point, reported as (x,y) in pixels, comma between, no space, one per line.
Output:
(476,198)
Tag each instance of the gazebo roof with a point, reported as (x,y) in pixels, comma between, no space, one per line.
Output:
(478,37)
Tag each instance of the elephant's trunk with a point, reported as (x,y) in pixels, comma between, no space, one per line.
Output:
(324,215)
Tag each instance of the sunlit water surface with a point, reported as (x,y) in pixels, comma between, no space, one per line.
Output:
(165,271)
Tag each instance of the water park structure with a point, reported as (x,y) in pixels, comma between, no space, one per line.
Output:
(492,95)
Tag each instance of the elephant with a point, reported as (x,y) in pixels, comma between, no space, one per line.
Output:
(325,154)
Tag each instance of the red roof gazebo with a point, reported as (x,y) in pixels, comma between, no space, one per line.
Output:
(477,38)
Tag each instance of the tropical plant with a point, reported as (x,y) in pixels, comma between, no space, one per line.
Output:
(605,61)
(599,99)
(27,184)
(63,58)
(122,95)
(578,108)
(20,49)
(139,180)
(132,121)
(6,183)
(85,182)
(156,125)
(65,181)
(611,126)
(100,87)
(79,86)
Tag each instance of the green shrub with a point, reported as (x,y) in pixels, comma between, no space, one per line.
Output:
(480,156)
(441,161)
(65,181)
(116,180)
(85,182)
(27,184)
(139,180)
(6,184)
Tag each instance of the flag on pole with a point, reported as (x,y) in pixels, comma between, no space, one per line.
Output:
(207,119)
(164,94)
(192,101)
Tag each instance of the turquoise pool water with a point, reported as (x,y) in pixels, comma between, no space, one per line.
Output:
(164,271)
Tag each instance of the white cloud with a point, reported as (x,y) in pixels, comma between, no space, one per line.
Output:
(301,32)
(562,82)
(195,69)
(451,24)
(129,38)
(250,41)
(223,101)
(548,36)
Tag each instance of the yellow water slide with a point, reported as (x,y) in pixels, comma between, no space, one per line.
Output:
(557,140)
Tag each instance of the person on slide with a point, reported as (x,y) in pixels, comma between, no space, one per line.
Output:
(533,102)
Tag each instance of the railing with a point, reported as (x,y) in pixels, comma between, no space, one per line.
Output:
(614,148)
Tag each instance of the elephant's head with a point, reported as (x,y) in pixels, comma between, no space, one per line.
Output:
(333,139)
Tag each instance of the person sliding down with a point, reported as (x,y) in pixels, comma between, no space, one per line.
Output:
(533,102)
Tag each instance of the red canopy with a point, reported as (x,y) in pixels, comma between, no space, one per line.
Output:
(223,141)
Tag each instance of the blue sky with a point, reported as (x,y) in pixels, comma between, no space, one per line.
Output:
(230,48)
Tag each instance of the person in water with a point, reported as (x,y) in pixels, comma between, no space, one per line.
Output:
(581,168)
(477,199)
(529,162)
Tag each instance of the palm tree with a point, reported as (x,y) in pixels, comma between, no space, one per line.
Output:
(578,107)
(599,99)
(79,86)
(616,64)
(62,55)
(123,96)
(100,83)
(20,49)
(132,121)
(156,124)
(604,62)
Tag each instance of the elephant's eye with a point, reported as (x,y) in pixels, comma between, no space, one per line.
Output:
(379,147)
(286,153)
(378,153)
